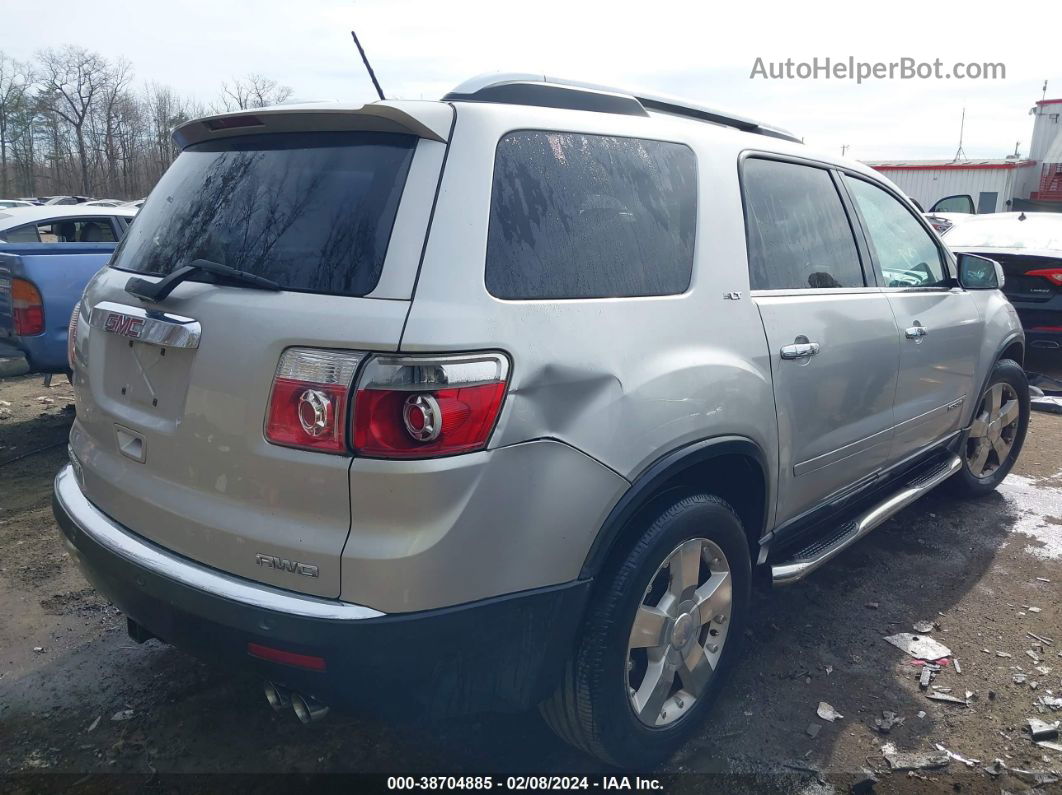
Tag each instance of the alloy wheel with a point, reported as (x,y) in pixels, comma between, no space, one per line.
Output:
(993,431)
(678,632)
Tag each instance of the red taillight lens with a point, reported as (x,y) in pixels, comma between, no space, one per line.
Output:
(1053,275)
(423,407)
(28,308)
(308,404)
(71,335)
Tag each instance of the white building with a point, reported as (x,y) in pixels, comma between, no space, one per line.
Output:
(994,185)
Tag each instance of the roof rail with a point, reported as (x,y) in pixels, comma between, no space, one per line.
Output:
(519,88)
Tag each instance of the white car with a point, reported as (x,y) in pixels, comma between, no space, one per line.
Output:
(64,223)
(7,204)
(1029,247)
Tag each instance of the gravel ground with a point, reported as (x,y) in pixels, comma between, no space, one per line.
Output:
(975,569)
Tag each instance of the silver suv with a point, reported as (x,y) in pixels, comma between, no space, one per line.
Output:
(502,400)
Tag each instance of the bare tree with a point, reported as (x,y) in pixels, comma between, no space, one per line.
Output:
(113,94)
(73,77)
(15,82)
(71,122)
(253,91)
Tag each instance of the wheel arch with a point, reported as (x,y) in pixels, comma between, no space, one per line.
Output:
(733,468)
(1013,348)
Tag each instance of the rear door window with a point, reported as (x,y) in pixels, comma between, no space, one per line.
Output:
(590,216)
(906,252)
(799,236)
(64,230)
(310,211)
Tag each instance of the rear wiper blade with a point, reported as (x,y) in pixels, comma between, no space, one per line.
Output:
(157,291)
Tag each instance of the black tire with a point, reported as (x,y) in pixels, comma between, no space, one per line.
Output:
(965,482)
(591,709)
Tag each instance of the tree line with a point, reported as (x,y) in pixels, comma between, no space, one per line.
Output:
(73,123)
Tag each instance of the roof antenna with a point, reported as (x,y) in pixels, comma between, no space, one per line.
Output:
(960,154)
(365,58)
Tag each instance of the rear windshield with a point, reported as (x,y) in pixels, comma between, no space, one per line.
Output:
(311,211)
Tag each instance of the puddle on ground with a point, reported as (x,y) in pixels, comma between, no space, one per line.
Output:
(1038,507)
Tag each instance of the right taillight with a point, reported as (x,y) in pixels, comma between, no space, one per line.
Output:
(428,406)
(1053,275)
(28,308)
(309,401)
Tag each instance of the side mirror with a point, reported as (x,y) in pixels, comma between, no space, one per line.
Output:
(979,273)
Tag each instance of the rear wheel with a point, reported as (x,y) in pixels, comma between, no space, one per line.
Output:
(661,631)
(996,434)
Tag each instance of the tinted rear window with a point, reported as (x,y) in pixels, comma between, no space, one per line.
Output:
(590,216)
(798,231)
(311,211)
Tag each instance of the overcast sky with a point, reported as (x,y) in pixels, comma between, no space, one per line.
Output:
(704,51)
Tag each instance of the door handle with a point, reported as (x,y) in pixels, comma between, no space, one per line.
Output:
(800,350)
(917,331)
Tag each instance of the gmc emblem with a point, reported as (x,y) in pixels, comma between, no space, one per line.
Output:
(283,564)
(123,324)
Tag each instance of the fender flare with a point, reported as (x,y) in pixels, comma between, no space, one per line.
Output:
(655,475)
(1010,339)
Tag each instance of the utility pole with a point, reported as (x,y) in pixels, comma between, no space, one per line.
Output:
(844,149)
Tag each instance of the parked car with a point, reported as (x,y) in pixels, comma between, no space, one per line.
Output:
(1029,247)
(518,430)
(8,204)
(105,203)
(47,256)
(65,199)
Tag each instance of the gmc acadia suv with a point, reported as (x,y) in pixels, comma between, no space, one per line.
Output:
(500,401)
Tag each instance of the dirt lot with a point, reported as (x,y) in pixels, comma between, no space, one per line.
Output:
(67,668)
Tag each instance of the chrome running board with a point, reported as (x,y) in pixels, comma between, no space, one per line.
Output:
(821,551)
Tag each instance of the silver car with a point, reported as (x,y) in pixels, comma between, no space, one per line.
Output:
(501,401)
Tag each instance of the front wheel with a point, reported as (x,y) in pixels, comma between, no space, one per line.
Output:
(996,434)
(661,631)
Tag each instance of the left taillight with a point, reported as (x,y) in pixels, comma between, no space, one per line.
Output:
(308,405)
(71,334)
(428,406)
(28,308)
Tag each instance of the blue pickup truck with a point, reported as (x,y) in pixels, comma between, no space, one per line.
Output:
(47,256)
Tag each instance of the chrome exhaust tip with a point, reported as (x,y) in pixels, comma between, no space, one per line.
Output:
(277,696)
(307,709)
(1049,345)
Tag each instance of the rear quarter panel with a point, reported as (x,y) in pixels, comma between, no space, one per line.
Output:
(60,272)
(624,380)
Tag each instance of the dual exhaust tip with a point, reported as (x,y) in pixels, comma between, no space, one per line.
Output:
(307,709)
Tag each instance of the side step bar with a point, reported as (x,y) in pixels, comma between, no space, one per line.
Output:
(820,552)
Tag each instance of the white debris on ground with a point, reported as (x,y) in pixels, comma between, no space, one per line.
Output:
(1038,508)
(918,646)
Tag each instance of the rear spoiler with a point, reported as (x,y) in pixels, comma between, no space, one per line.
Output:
(430,120)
